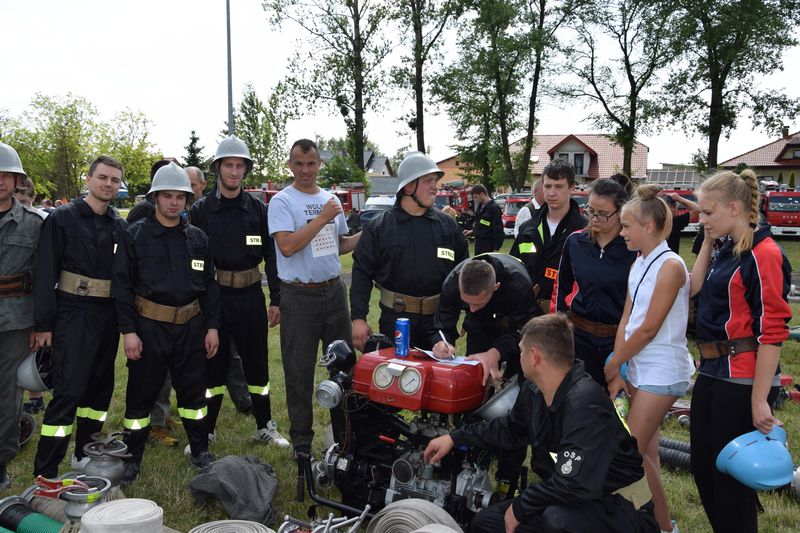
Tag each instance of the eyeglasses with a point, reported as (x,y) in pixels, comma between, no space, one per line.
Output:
(602,217)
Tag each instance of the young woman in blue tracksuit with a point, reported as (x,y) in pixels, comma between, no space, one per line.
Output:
(593,276)
(742,315)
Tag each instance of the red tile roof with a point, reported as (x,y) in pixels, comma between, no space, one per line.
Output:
(607,162)
(767,155)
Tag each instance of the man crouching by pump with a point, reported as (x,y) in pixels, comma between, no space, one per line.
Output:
(591,472)
(168,307)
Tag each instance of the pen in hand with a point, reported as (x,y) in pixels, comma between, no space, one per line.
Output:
(450,355)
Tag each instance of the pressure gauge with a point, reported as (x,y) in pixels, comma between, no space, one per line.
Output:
(381,376)
(410,380)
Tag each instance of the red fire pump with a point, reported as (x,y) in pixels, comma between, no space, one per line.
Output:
(384,411)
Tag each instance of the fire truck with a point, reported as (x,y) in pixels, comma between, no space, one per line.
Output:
(782,209)
(514,202)
(350,198)
(454,194)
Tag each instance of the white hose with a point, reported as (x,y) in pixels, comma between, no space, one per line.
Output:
(405,516)
(130,515)
(231,526)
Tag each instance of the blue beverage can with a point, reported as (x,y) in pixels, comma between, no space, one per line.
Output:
(402,332)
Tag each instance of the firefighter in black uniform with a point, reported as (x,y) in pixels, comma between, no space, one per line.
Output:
(496,293)
(407,251)
(590,470)
(168,307)
(541,239)
(487,227)
(75,254)
(236,224)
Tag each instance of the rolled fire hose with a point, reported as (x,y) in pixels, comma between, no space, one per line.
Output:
(675,444)
(434,528)
(408,515)
(130,515)
(675,458)
(231,526)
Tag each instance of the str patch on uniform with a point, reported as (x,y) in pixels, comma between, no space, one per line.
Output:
(445,253)
(569,463)
(198,264)
(252,240)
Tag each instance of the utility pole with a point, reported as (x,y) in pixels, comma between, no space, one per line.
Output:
(231,128)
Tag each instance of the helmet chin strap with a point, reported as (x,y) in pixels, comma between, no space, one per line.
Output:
(414,195)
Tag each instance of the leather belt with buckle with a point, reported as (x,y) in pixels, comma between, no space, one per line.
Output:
(403,303)
(15,285)
(238,279)
(167,313)
(598,329)
(727,348)
(83,285)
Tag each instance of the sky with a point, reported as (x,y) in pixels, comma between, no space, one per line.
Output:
(168,59)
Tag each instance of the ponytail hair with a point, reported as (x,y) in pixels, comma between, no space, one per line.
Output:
(728,186)
(625,182)
(647,205)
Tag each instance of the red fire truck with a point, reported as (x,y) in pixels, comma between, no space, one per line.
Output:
(782,209)
(514,202)
(454,194)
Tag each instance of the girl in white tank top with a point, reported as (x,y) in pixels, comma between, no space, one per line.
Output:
(652,333)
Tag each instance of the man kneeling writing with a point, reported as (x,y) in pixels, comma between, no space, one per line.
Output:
(590,470)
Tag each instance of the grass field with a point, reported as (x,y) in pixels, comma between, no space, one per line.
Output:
(166,474)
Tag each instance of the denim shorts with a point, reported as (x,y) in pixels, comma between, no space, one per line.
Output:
(676,389)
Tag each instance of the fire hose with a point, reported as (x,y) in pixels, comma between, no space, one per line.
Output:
(411,514)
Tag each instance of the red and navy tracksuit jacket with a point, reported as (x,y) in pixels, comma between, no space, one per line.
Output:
(592,282)
(744,297)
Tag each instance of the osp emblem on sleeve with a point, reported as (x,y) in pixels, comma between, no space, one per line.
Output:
(569,462)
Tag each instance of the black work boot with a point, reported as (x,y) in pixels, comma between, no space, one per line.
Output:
(202,459)
(131,474)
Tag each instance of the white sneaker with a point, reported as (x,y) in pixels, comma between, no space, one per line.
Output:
(188,450)
(79,464)
(271,434)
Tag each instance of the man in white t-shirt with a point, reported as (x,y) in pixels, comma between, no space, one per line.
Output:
(310,233)
(525,214)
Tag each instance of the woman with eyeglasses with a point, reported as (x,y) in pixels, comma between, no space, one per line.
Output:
(593,275)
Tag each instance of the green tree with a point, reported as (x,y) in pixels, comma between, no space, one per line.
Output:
(342,65)
(263,130)
(194,153)
(727,47)
(60,141)
(791,181)
(340,169)
(126,139)
(426,22)
(780,177)
(639,32)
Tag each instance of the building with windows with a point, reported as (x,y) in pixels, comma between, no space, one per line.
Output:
(777,161)
(594,155)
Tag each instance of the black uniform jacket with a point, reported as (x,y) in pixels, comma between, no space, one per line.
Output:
(73,238)
(581,449)
(488,224)
(169,266)
(239,236)
(592,281)
(406,254)
(510,308)
(143,209)
(540,251)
